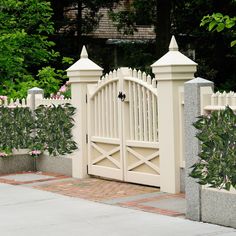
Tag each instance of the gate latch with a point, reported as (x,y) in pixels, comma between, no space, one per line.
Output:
(121,96)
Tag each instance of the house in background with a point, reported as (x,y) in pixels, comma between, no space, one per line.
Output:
(112,48)
(115,47)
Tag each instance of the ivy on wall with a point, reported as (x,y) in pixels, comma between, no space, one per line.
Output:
(217,164)
(49,128)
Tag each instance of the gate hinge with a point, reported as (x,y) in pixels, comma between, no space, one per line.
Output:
(86,138)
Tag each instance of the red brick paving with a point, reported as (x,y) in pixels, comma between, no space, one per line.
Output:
(96,189)
(100,190)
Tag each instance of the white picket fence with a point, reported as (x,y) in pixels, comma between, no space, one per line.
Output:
(52,101)
(12,103)
(218,101)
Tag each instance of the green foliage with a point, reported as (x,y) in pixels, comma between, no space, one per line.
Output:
(53,129)
(24,44)
(49,78)
(48,129)
(16,125)
(219,22)
(217,164)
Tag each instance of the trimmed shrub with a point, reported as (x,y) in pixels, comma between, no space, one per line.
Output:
(217,160)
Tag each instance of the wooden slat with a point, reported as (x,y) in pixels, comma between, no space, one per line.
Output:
(103,113)
(140,114)
(115,92)
(107,121)
(99,113)
(131,111)
(135,111)
(96,119)
(154,117)
(149,116)
(145,129)
(111,114)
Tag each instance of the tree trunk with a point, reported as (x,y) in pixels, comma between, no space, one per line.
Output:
(163,26)
(79,41)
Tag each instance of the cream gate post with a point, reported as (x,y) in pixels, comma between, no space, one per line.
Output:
(80,74)
(171,71)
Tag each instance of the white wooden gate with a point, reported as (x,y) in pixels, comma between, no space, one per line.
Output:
(122,128)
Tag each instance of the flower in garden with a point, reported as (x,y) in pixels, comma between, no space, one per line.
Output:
(63,89)
(3,154)
(3,98)
(63,92)
(35,152)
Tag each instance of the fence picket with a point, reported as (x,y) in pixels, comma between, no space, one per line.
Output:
(115,92)
(140,109)
(110,110)
(149,116)
(135,112)
(99,113)
(96,119)
(131,111)
(144,114)
(107,123)
(103,113)
(154,115)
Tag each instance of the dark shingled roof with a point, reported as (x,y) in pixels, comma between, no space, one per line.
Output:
(107,30)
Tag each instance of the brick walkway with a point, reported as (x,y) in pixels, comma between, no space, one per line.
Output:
(129,195)
(96,189)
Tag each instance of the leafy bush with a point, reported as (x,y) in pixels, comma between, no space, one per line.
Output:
(48,129)
(53,129)
(25,46)
(217,164)
(16,125)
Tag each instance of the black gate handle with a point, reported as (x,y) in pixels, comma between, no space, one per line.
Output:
(121,96)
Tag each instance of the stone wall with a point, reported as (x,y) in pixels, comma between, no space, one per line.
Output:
(58,164)
(16,163)
(218,207)
(24,162)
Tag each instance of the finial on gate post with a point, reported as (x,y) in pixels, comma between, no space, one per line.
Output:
(173,44)
(84,53)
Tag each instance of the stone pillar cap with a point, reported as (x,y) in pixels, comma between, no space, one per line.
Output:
(35,90)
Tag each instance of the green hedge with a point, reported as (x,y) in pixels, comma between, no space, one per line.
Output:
(217,159)
(48,128)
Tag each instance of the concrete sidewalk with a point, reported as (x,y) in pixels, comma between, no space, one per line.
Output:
(26,211)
